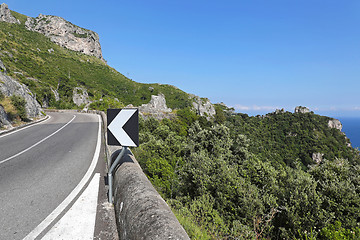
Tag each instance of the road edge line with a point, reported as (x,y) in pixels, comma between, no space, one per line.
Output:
(78,222)
(23,127)
(34,145)
(54,214)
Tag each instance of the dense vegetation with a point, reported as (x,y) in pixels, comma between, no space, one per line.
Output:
(253,177)
(44,66)
(231,177)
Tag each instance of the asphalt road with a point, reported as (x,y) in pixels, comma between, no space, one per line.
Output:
(39,168)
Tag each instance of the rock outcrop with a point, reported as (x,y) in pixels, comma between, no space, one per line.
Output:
(300,109)
(66,34)
(334,123)
(203,107)
(56,94)
(80,96)
(279,111)
(317,157)
(6,16)
(4,121)
(2,67)
(9,87)
(156,108)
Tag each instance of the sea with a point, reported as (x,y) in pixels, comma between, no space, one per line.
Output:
(351,127)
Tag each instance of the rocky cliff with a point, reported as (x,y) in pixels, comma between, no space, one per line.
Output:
(156,108)
(335,123)
(66,34)
(6,16)
(203,107)
(9,87)
(300,109)
(80,96)
(4,120)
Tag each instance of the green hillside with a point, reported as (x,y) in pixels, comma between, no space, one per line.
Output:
(228,177)
(39,63)
(242,177)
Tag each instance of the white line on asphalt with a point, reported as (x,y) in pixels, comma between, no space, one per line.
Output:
(18,154)
(7,134)
(49,219)
(79,222)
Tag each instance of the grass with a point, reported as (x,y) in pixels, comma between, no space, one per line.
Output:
(83,35)
(8,106)
(22,18)
(27,52)
(194,231)
(11,110)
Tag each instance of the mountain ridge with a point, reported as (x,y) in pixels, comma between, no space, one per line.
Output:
(66,34)
(6,16)
(282,175)
(54,72)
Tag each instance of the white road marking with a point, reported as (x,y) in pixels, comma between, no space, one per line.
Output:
(52,216)
(7,134)
(79,222)
(27,149)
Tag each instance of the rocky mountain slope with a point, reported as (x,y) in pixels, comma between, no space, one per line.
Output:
(6,16)
(10,87)
(62,65)
(278,176)
(66,34)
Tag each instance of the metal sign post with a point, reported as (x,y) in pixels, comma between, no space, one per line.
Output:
(112,168)
(122,130)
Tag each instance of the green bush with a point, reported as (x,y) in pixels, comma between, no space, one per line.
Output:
(337,232)
(252,177)
(19,103)
(188,221)
(78,35)
(237,177)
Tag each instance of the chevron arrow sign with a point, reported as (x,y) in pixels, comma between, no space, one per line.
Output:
(123,127)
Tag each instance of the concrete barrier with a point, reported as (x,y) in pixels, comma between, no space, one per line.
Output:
(141,213)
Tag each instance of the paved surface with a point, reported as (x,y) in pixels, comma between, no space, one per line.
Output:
(79,221)
(40,167)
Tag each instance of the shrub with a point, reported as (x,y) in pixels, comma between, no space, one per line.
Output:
(337,232)
(19,103)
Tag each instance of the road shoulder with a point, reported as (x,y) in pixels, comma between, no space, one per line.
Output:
(105,227)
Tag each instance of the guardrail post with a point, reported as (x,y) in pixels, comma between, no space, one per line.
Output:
(110,173)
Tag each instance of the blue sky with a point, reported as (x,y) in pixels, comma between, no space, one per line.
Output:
(253,55)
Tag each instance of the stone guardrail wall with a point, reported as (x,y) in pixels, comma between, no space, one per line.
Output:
(141,213)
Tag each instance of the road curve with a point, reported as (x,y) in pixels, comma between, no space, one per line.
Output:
(39,168)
